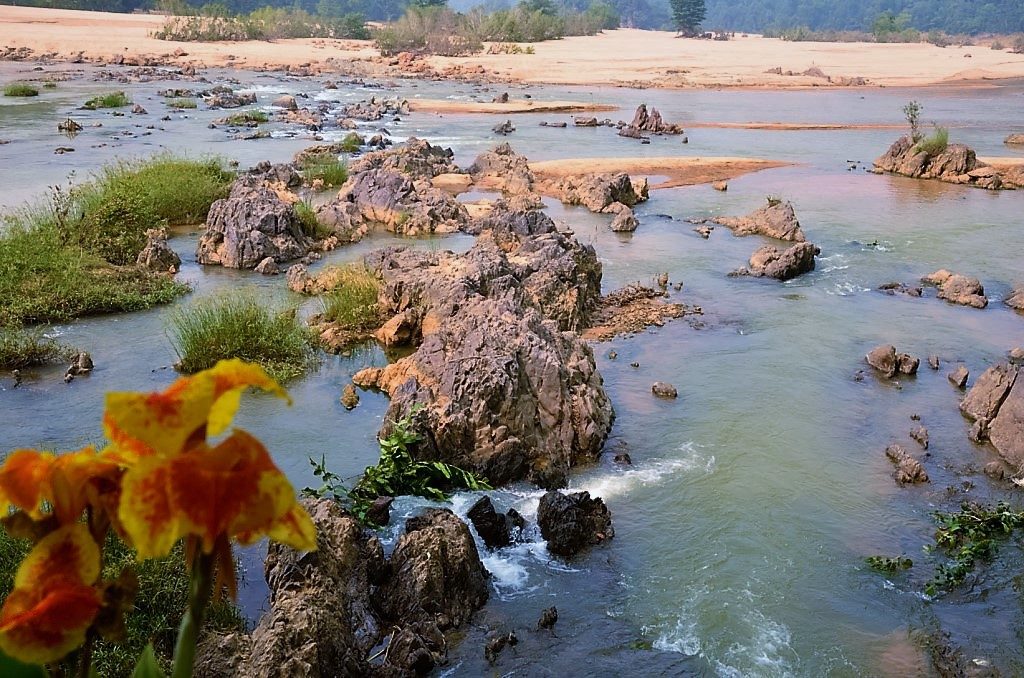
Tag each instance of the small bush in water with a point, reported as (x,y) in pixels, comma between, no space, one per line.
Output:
(20,89)
(111,100)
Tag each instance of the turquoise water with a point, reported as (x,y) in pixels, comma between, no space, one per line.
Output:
(742,525)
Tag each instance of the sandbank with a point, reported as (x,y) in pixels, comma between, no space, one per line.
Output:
(511,107)
(678,171)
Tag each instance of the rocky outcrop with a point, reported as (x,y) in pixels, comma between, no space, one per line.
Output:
(503,169)
(597,192)
(956,164)
(330,609)
(1016,299)
(573,522)
(771,262)
(649,122)
(958,377)
(996,405)
(225,98)
(255,221)
(633,309)
(496,530)
(157,255)
(777,220)
(889,363)
(501,382)
(625,221)
(908,470)
(375,108)
(958,289)
(1014,139)
(415,159)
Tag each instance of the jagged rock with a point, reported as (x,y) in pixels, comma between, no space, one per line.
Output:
(956,164)
(415,159)
(503,169)
(495,529)
(991,388)
(254,222)
(958,289)
(229,99)
(503,217)
(908,364)
(267,267)
(375,109)
(645,121)
(325,152)
(436,574)
(80,364)
(625,221)
(597,192)
(908,470)
(958,377)
(157,255)
(504,128)
(1016,300)
(775,221)
(344,219)
(664,390)
(933,361)
(570,523)
(379,512)
(507,388)
(633,309)
(920,435)
(548,618)
(1014,139)
(349,397)
(771,262)
(286,101)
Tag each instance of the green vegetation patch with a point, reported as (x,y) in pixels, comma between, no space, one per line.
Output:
(889,564)
(329,170)
(21,348)
(215,23)
(397,473)
(238,326)
(970,535)
(160,602)
(181,104)
(20,89)
(935,143)
(246,118)
(109,100)
(352,299)
(311,225)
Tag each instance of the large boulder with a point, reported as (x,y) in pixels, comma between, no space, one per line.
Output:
(1014,139)
(988,393)
(596,192)
(651,121)
(1006,431)
(257,220)
(958,289)
(996,404)
(777,220)
(771,262)
(157,255)
(573,522)
(1016,299)
(501,383)
(503,169)
(889,363)
(415,159)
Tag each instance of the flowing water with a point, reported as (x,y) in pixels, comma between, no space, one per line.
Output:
(742,525)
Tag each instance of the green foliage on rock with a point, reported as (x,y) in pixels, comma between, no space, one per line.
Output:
(935,143)
(109,100)
(970,535)
(889,564)
(352,301)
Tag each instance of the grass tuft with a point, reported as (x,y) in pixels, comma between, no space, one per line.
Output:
(352,299)
(935,143)
(311,225)
(331,171)
(238,326)
(246,118)
(21,348)
(110,100)
(20,89)
(181,104)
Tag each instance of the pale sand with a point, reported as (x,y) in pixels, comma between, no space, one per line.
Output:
(511,107)
(621,57)
(791,126)
(678,171)
(1002,162)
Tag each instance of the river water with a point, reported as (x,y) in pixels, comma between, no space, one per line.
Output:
(753,498)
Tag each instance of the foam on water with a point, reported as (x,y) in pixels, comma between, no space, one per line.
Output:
(609,485)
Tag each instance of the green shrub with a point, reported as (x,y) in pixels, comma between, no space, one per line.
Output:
(246,118)
(21,348)
(181,104)
(115,226)
(329,170)
(351,143)
(972,534)
(352,299)
(430,30)
(111,100)
(934,143)
(267,23)
(161,599)
(238,326)
(20,89)
(997,45)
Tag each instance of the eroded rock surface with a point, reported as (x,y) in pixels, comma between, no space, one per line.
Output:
(889,363)
(503,169)
(157,255)
(996,405)
(908,470)
(597,192)
(775,221)
(573,522)
(1016,299)
(771,262)
(633,309)
(956,164)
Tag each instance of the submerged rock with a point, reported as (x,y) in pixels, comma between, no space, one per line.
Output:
(571,523)
(664,390)
(548,618)
(908,470)
(777,220)
(633,309)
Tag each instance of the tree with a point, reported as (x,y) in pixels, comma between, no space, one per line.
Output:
(688,15)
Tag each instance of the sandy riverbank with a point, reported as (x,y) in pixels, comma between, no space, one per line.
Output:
(508,108)
(675,170)
(623,57)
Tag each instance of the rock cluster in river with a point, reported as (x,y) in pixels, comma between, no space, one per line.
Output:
(330,608)
(956,164)
(958,289)
(996,406)
(889,363)
(649,122)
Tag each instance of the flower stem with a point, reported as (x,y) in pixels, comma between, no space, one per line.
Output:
(200,588)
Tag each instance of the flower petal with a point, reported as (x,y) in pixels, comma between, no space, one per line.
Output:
(25,481)
(53,602)
(145,512)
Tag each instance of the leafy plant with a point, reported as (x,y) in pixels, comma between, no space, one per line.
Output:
(889,564)
(110,100)
(773,200)
(20,89)
(970,535)
(245,118)
(912,112)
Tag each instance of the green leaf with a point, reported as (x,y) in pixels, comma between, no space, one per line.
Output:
(148,667)
(12,668)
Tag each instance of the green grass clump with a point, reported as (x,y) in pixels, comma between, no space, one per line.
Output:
(351,143)
(110,100)
(246,118)
(935,143)
(159,604)
(352,300)
(238,326)
(21,348)
(331,171)
(181,103)
(20,89)
(50,84)
(311,225)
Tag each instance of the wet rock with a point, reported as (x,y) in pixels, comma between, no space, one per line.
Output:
(908,470)
(326,152)
(80,364)
(771,262)
(349,397)
(625,221)
(379,512)
(286,101)
(584,121)
(560,125)
(664,390)
(988,393)
(504,128)
(1006,430)
(933,361)
(958,377)
(920,435)
(69,127)
(137,109)
(979,431)
(703,231)
(157,254)
(623,458)
(571,523)
(958,289)
(885,359)
(548,618)
(229,99)
(908,364)
(375,109)
(267,267)
(497,642)
(997,470)
(254,222)
(503,169)
(777,220)
(720,185)
(436,573)
(492,527)
(633,309)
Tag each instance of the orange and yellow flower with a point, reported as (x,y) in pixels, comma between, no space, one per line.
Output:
(177,484)
(67,482)
(53,602)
